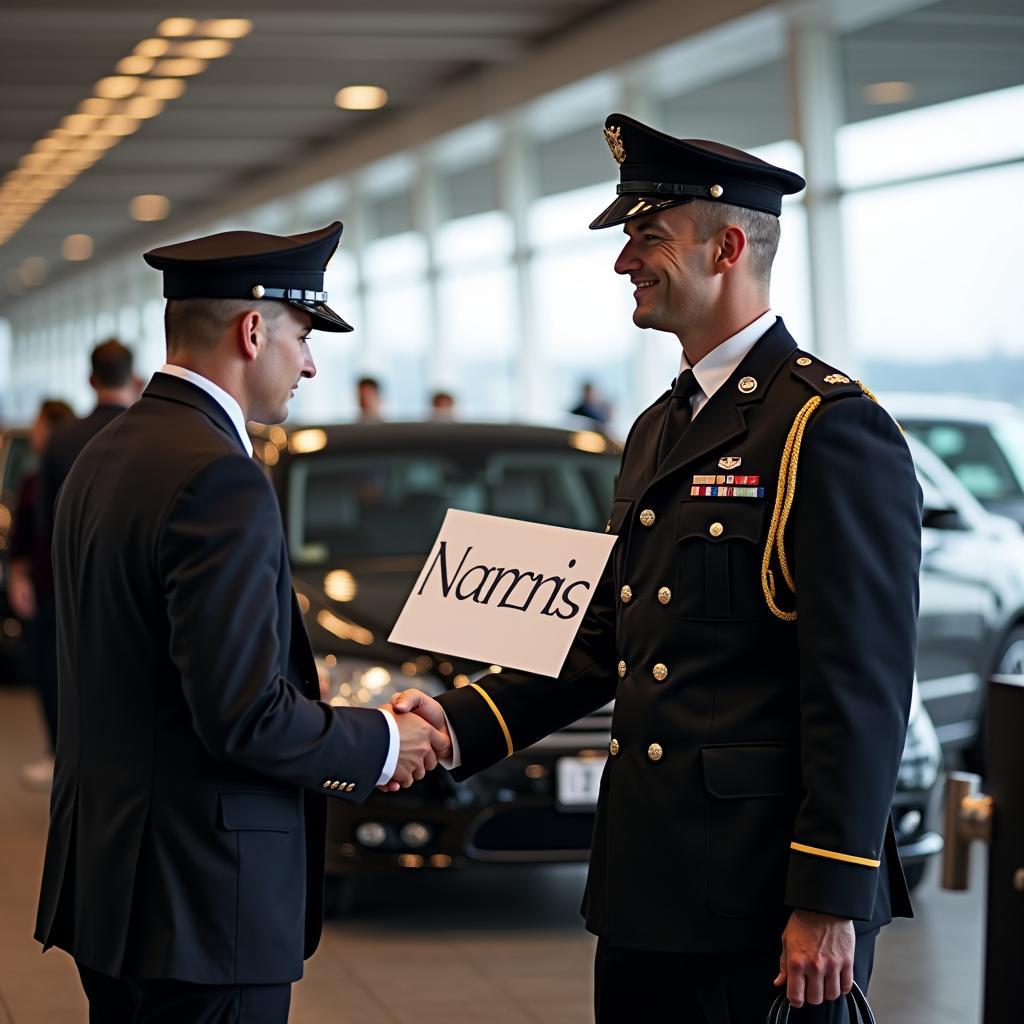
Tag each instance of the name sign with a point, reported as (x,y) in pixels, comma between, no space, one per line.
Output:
(503,591)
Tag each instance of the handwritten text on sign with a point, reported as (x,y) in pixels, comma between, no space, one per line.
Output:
(503,591)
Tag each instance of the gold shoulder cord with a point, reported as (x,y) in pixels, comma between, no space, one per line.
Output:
(785,494)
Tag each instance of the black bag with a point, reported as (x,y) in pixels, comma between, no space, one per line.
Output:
(856,1004)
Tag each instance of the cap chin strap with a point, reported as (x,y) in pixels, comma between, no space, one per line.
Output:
(294,295)
(662,188)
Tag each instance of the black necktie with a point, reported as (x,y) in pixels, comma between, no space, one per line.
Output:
(677,412)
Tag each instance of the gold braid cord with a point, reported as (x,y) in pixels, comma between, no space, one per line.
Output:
(785,495)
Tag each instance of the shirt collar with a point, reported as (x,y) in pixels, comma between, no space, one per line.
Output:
(717,366)
(219,395)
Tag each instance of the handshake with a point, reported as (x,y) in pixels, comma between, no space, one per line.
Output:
(423,736)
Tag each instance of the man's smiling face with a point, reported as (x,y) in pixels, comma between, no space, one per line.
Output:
(670,269)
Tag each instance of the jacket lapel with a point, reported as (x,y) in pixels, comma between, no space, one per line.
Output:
(174,389)
(723,418)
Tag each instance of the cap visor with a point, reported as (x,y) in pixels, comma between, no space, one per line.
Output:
(627,207)
(324,318)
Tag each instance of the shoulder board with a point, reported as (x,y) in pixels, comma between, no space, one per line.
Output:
(822,379)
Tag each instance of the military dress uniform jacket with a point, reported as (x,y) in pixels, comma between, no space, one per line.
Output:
(753,758)
(184,840)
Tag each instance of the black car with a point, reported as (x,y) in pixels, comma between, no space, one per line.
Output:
(362,505)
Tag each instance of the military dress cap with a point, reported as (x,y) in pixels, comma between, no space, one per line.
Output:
(253,265)
(658,171)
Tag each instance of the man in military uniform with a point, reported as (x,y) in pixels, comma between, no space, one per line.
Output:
(755,627)
(185,858)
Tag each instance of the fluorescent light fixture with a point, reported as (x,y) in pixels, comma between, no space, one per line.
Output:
(204,49)
(134,65)
(147,208)
(76,248)
(143,107)
(152,48)
(225,28)
(162,88)
(117,87)
(361,97)
(179,67)
(97,106)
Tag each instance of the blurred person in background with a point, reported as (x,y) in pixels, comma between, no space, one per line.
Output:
(442,406)
(368,397)
(591,405)
(31,572)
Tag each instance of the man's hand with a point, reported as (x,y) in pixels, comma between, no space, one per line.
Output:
(817,957)
(420,745)
(20,593)
(416,704)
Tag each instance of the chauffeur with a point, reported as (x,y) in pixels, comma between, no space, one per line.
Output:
(184,864)
(755,627)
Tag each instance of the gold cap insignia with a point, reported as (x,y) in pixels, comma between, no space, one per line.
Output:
(716,191)
(729,462)
(613,136)
(837,378)
(258,291)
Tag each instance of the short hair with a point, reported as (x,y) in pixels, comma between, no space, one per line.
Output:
(55,412)
(368,382)
(762,229)
(199,324)
(111,364)
(442,396)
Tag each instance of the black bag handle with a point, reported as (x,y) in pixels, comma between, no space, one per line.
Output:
(856,1003)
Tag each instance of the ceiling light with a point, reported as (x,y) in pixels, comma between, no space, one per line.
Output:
(143,107)
(119,124)
(36,161)
(162,88)
(152,48)
(48,144)
(176,26)
(79,124)
(117,87)
(149,207)
(205,49)
(33,271)
(76,248)
(97,107)
(361,97)
(135,65)
(179,67)
(98,141)
(883,93)
(225,28)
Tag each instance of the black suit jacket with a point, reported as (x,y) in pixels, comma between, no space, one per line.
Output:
(754,759)
(181,843)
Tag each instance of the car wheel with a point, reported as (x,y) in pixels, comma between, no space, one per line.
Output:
(339,896)
(914,874)
(1009,662)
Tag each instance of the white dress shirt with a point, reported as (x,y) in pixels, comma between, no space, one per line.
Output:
(718,365)
(228,403)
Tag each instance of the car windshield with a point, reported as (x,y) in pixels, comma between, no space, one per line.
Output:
(392,503)
(971,450)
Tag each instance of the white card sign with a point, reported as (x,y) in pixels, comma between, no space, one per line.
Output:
(503,591)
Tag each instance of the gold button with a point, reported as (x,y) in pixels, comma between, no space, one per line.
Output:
(647,517)
(664,595)
(626,594)
(716,191)
(716,529)
(660,672)
(613,747)
(608,527)
(622,670)
(350,787)
(654,752)
(804,361)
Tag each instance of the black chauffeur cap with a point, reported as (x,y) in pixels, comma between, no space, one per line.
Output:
(657,171)
(252,265)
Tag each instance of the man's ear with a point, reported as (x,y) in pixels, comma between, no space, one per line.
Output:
(249,335)
(731,244)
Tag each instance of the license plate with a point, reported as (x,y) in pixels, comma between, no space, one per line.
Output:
(579,779)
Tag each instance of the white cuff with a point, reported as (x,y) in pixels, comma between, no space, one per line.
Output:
(394,747)
(455,761)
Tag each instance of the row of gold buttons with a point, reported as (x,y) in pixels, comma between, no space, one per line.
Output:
(648,518)
(654,751)
(626,593)
(336,784)
(660,671)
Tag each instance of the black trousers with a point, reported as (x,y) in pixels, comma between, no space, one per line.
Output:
(701,988)
(167,1001)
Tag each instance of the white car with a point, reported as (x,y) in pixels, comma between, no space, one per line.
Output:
(981,441)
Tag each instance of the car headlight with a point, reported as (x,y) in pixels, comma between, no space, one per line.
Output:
(357,683)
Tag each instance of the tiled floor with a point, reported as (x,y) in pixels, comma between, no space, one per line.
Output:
(494,946)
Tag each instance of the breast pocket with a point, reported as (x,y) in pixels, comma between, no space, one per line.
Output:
(719,555)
